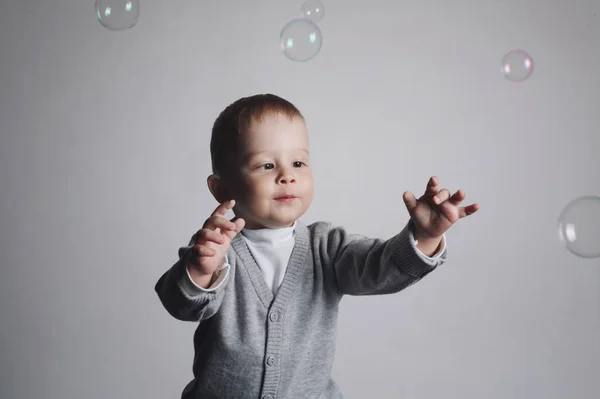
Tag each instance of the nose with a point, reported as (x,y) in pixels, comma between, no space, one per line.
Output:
(287,177)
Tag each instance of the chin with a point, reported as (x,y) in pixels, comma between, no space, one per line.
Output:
(279,221)
(280,224)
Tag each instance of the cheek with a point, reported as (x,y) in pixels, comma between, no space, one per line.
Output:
(260,187)
(243,188)
(309,181)
(256,192)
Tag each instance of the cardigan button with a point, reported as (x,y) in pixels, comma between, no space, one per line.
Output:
(274,316)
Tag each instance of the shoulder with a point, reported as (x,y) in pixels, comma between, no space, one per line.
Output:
(326,234)
(319,227)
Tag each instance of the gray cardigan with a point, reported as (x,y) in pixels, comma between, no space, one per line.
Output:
(250,344)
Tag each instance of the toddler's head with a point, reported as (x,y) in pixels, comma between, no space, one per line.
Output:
(259,152)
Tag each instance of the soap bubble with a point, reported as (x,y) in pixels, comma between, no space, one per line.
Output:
(301,40)
(517,65)
(579,226)
(117,14)
(313,10)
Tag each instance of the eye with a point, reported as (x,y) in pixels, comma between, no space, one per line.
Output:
(297,164)
(262,166)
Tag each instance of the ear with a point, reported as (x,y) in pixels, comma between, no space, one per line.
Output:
(217,189)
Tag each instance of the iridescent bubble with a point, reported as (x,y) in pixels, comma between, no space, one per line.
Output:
(301,40)
(579,226)
(117,14)
(313,10)
(517,65)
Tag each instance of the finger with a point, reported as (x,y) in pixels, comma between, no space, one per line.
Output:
(457,197)
(200,251)
(218,221)
(409,200)
(224,208)
(207,235)
(441,196)
(468,210)
(433,186)
(239,226)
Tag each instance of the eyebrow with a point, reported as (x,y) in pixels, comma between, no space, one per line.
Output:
(255,154)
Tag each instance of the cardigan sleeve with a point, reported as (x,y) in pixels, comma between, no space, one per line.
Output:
(185,300)
(372,266)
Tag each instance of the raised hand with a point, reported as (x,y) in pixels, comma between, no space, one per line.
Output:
(212,243)
(436,210)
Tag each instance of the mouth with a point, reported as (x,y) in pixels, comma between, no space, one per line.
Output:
(286,198)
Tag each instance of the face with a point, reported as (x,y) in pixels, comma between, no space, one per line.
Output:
(275,163)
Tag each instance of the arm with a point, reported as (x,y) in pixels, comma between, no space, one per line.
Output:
(369,266)
(183,298)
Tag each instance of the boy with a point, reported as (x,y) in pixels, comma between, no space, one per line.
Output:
(267,299)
